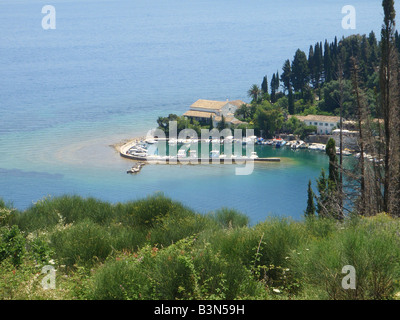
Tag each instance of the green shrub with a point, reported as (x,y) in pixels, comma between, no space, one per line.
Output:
(370,246)
(280,237)
(76,209)
(5,213)
(40,250)
(179,271)
(41,216)
(12,244)
(178,225)
(230,218)
(85,243)
(320,227)
(147,212)
(236,244)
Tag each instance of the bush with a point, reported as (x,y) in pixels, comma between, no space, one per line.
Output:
(179,271)
(41,216)
(230,218)
(370,246)
(12,245)
(177,226)
(147,212)
(85,243)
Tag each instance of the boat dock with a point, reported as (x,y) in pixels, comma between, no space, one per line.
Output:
(137,151)
(177,160)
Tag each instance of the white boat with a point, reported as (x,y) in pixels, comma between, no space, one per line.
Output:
(181,153)
(253,155)
(299,145)
(139,154)
(345,152)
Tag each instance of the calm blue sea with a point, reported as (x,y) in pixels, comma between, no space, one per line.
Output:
(112,67)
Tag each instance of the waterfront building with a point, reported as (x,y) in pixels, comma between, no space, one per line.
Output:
(205,110)
(324,124)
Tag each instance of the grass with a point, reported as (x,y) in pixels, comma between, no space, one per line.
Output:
(156,248)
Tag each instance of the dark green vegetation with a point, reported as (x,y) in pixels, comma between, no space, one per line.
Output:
(318,83)
(156,248)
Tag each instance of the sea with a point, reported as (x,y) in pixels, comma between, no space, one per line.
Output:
(110,68)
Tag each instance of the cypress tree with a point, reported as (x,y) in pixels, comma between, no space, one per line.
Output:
(222,124)
(327,62)
(273,85)
(317,65)
(333,162)
(310,211)
(311,64)
(390,109)
(286,75)
(300,71)
(264,85)
(322,186)
(277,84)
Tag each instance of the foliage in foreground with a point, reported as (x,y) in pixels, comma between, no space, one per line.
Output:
(156,248)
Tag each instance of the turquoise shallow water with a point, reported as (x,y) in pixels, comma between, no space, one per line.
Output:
(112,67)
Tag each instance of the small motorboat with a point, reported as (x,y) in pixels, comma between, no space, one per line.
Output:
(254,155)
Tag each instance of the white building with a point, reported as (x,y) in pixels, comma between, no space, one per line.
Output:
(324,124)
(203,110)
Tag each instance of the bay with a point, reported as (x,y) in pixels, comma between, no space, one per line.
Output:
(112,67)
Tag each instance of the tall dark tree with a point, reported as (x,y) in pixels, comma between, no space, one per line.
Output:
(330,150)
(300,71)
(277,81)
(222,124)
(389,106)
(286,76)
(273,88)
(211,123)
(323,198)
(310,210)
(327,62)
(264,85)
(318,66)
(362,207)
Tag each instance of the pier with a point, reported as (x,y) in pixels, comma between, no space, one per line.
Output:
(177,160)
(142,157)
